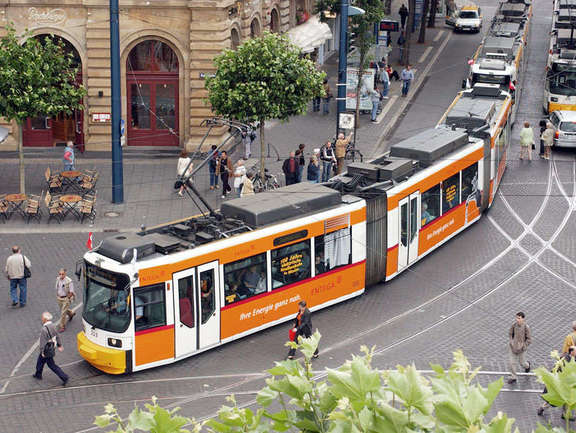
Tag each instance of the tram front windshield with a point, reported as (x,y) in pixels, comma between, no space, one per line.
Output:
(562,80)
(107,301)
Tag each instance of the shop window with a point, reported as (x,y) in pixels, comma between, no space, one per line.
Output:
(332,250)
(149,307)
(291,264)
(207,295)
(430,205)
(186,300)
(245,278)
(450,193)
(470,189)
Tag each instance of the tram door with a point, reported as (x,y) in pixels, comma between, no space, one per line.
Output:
(196,308)
(409,228)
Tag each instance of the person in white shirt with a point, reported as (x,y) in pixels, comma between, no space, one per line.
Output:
(184,169)
(239,176)
(14,271)
(64,295)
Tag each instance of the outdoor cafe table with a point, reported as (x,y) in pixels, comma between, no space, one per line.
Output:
(15,202)
(69,201)
(69,180)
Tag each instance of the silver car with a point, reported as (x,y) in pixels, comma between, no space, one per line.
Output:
(564,123)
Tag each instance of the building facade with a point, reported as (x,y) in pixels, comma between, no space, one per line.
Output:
(167,49)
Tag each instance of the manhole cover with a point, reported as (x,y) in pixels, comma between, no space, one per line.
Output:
(112,214)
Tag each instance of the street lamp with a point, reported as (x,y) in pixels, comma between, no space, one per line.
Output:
(345,11)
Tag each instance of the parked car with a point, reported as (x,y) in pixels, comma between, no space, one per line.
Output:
(564,123)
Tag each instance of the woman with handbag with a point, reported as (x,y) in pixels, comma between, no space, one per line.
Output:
(526,141)
(302,327)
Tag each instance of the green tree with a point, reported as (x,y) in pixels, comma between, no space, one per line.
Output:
(265,78)
(37,78)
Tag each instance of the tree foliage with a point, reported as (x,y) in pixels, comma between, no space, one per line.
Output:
(37,78)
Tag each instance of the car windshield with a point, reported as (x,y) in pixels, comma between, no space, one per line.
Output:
(107,304)
(568,126)
(491,79)
(562,81)
(468,15)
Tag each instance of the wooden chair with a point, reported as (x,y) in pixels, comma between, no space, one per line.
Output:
(54,181)
(32,209)
(88,210)
(3,208)
(55,207)
(88,183)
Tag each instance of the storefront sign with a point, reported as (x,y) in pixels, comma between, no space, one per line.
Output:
(346,121)
(101,117)
(46,16)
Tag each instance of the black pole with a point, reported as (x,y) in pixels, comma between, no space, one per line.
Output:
(342,63)
(117,175)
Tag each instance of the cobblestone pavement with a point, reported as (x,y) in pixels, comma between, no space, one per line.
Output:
(520,256)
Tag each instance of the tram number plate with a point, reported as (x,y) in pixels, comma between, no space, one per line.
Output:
(93,332)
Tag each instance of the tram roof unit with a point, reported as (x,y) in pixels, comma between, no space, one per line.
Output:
(506,29)
(564,4)
(497,47)
(476,110)
(512,12)
(564,19)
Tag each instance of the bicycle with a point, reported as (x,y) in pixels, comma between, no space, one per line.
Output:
(269,184)
(351,153)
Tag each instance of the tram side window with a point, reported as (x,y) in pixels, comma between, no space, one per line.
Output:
(207,300)
(186,300)
(470,190)
(332,250)
(291,264)
(450,193)
(245,278)
(430,205)
(149,307)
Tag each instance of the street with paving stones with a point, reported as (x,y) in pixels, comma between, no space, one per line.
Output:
(520,256)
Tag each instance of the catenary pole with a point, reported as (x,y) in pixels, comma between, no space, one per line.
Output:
(117,168)
(342,62)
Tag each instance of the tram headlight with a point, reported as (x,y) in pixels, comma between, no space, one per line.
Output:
(554,99)
(114,342)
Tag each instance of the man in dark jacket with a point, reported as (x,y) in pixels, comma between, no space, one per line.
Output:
(290,169)
(47,334)
(519,339)
(403,15)
(303,325)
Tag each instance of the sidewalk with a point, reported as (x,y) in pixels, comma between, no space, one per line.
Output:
(149,198)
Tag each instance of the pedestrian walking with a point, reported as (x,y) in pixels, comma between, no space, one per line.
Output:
(407,75)
(526,141)
(328,160)
(224,169)
(290,169)
(570,339)
(184,170)
(548,139)
(239,175)
(326,98)
(313,172)
(542,125)
(403,15)
(385,80)
(301,160)
(519,339)
(69,158)
(567,356)
(248,136)
(247,185)
(400,42)
(375,97)
(65,295)
(340,151)
(212,164)
(17,270)
(303,327)
(49,341)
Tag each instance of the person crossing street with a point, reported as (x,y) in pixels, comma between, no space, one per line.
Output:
(65,295)
(520,338)
(49,341)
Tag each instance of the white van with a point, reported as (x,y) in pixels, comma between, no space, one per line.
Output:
(466,19)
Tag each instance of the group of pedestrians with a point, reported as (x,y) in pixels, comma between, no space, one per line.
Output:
(322,165)
(17,271)
(527,142)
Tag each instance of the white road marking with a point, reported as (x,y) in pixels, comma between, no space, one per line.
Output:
(391,102)
(425,54)
(439,35)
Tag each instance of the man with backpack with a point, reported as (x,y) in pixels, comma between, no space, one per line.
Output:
(49,341)
(328,160)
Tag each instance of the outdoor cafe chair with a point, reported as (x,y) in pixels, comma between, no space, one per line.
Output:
(54,181)
(32,207)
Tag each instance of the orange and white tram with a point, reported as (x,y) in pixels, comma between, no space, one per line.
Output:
(164,294)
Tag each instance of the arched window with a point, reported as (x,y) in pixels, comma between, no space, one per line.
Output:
(274,21)
(234,39)
(254,28)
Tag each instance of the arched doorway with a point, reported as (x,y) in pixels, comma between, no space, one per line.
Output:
(274,21)
(45,131)
(152,94)
(234,39)
(255,28)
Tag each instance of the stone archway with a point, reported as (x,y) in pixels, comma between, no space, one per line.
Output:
(152,93)
(44,131)
(234,38)
(255,28)
(274,21)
